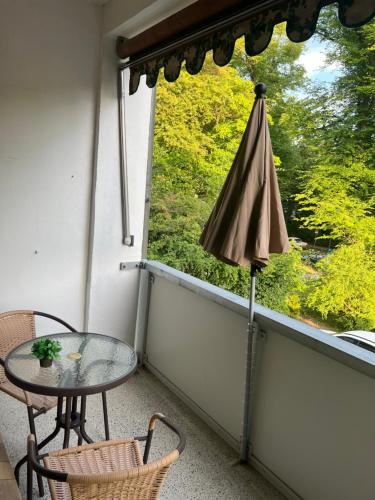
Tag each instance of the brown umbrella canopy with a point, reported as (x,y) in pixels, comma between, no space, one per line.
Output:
(247,222)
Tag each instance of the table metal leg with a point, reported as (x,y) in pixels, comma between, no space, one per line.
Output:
(105,413)
(71,420)
(29,487)
(32,430)
(75,414)
(74,404)
(83,420)
(68,414)
(80,438)
(40,446)
(60,402)
(45,441)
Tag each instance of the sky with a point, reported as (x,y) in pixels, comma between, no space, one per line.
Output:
(314,61)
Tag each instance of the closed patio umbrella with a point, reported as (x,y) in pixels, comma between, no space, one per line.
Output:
(247,222)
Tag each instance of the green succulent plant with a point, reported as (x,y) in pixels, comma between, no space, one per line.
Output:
(46,349)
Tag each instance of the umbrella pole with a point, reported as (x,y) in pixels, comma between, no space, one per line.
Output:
(250,361)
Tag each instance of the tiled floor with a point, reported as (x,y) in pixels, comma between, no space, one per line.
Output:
(207,469)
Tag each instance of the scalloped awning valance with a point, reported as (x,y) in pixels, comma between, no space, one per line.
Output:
(255,22)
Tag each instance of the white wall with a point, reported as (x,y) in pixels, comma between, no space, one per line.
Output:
(60,201)
(49,53)
(114,293)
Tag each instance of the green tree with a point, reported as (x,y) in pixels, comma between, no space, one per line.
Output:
(339,202)
(282,283)
(198,127)
(323,146)
(353,53)
(337,190)
(344,290)
(279,69)
(199,124)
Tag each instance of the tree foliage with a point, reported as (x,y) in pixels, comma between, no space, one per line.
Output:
(345,288)
(281,283)
(337,189)
(352,51)
(284,76)
(199,124)
(324,149)
(338,200)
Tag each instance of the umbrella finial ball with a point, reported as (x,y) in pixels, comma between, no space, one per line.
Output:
(260,90)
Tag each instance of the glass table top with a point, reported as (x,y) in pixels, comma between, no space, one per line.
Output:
(89,363)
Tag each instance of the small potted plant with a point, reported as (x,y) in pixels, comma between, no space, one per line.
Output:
(46,350)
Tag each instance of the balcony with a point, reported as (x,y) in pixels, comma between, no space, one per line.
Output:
(312,432)
(311,428)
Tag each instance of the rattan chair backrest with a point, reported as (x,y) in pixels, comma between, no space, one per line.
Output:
(142,482)
(15,327)
(139,483)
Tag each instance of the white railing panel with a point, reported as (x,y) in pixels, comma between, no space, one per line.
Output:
(312,429)
(313,422)
(200,347)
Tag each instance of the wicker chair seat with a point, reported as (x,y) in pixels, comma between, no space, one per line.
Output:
(101,458)
(37,401)
(108,470)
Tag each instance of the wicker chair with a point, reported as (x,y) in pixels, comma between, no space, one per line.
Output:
(17,327)
(104,471)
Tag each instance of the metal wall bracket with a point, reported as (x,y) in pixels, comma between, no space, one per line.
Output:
(128,240)
(127,266)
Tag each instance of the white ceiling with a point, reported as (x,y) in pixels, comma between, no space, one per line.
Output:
(155,12)
(130,17)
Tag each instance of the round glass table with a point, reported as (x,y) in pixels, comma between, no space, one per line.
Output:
(89,363)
